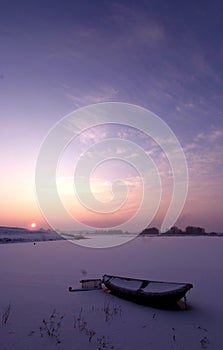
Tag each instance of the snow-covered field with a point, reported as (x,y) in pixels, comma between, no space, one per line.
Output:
(20,235)
(37,311)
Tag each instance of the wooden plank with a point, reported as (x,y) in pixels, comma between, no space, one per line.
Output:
(82,289)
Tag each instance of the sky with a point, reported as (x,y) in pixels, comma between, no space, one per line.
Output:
(58,56)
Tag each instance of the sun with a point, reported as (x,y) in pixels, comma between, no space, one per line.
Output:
(33,225)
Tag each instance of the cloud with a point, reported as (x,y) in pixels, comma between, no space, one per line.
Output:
(94,135)
(92,95)
(205,157)
(123,28)
(217,134)
(149,33)
(143,30)
(213,135)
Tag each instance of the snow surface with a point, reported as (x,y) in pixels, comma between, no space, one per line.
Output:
(37,311)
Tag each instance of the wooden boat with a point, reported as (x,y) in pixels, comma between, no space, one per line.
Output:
(153,293)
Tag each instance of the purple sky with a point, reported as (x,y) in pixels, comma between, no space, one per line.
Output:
(57,56)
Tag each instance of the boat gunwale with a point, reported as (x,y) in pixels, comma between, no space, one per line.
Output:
(184,284)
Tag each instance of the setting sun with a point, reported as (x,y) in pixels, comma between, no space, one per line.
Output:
(33,225)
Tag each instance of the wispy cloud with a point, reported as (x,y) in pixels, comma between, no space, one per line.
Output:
(94,135)
(143,30)
(126,29)
(205,158)
(212,136)
(93,95)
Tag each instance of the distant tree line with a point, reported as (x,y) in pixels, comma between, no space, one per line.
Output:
(174,231)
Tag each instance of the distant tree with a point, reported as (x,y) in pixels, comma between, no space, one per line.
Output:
(193,230)
(150,231)
(174,231)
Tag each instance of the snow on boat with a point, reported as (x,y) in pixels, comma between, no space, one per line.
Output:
(88,285)
(91,283)
(154,293)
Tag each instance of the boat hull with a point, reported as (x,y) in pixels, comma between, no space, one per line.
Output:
(143,294)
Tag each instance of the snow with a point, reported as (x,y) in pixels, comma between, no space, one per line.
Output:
(19,235)
(162,287)
(131,285)
(42,314)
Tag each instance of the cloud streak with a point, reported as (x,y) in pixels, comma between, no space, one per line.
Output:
(92,95)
